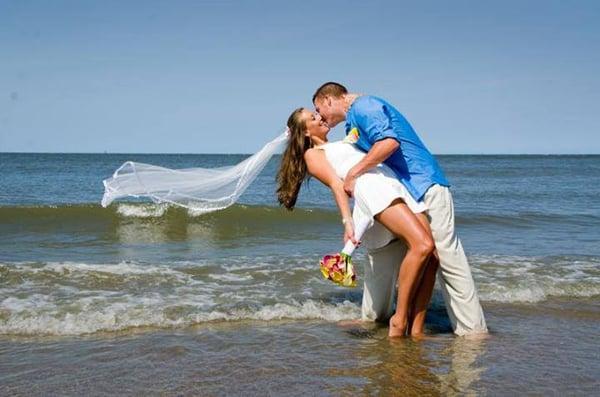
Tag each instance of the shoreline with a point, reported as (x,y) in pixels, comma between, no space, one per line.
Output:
(314,357)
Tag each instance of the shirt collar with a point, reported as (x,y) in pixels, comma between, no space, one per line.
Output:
(348,124)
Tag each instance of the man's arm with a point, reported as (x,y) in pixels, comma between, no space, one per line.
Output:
(373,119)
(380,152)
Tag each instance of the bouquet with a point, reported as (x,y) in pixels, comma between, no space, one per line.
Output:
(338,267)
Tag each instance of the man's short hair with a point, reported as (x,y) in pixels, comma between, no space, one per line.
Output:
(331,89)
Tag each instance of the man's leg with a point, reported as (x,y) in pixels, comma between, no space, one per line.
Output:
(380,276)
(456,281)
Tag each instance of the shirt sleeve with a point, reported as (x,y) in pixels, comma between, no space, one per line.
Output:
(373,119)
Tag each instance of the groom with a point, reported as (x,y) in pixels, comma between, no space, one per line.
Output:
(379,129)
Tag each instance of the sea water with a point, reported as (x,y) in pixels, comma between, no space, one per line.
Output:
(149,298)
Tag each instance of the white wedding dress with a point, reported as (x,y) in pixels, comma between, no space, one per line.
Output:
(374,191)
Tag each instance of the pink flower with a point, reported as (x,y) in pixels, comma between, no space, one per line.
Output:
(339,269)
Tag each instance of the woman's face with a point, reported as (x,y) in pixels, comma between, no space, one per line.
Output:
(315,126)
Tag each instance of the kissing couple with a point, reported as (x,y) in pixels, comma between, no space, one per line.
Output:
(403,196)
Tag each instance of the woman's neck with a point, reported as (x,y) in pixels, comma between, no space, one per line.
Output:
(318,141)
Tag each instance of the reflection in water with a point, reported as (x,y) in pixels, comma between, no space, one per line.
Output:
(182,229)
(155,237)
(436,365)
(132,233)
(463,371)
(231,228)
(398,367)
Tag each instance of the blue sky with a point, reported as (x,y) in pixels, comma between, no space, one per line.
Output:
(222,76)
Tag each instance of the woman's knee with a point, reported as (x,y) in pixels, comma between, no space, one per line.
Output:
(425,247)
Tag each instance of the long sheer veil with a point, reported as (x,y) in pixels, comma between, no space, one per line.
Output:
(199,189)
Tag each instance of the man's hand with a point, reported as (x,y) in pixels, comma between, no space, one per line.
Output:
(380,151)
(349,183)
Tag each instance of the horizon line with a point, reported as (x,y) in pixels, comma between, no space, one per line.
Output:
(249,154)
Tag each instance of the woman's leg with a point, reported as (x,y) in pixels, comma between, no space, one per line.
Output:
(424,289)
(401,221)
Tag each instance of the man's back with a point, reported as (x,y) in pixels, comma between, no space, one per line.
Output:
(376,119)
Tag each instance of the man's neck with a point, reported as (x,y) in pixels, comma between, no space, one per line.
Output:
(349,100)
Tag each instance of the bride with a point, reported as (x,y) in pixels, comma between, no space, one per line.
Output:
(378,195)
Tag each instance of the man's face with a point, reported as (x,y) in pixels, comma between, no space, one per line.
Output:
(330,109)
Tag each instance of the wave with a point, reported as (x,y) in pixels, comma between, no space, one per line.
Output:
(90,214)
(70,298)
(142,211)
(503,278)
(119,317)
(525,219)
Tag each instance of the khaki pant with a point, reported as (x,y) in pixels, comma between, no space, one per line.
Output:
(380,275)
(454,276)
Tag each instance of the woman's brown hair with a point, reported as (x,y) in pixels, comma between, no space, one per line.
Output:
(293,170)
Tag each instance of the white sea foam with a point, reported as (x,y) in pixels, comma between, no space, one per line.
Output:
(193,212)
(532,279)
(231,277)
(93,317)
(71,298)
(142,210)
(121,268)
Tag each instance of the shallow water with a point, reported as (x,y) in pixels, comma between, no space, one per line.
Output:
(141,298)
(533,350)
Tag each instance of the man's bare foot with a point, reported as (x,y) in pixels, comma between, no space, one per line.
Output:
(397,327)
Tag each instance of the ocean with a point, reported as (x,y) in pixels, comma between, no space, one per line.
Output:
(143,298)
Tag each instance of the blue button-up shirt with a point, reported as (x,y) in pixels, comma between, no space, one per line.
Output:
(371,119)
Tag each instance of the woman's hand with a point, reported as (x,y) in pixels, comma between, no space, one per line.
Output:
(349,233)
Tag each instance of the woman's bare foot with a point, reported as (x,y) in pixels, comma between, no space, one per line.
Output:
(417,327)
(397,327)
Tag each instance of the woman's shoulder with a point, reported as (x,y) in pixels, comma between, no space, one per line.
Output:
(314,158)
(312,153)
(317,153)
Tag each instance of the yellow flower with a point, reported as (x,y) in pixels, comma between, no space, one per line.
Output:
(349,281)
(352,136)
(337,277)
(324,271)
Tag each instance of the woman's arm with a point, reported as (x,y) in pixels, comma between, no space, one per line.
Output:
(319,167)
